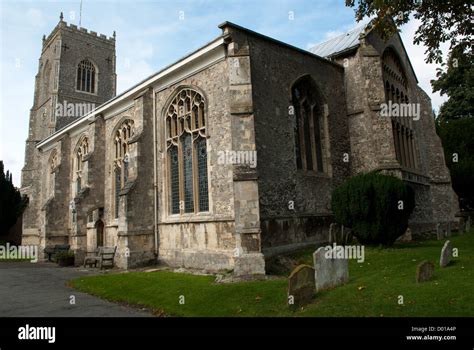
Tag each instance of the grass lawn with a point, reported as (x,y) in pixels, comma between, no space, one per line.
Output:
(373,290)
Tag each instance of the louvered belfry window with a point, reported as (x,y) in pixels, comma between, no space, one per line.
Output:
(86,77)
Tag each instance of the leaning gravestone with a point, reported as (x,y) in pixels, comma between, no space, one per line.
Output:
(301,287)
(446,254)
(329,272)
(424,271)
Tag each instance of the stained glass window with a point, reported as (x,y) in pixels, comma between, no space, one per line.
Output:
(122,158)
(186,143)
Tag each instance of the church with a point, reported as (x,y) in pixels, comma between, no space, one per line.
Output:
(226,157)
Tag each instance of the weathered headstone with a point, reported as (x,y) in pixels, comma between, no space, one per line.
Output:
(329,272)
(446,254)
(301,286)
(406,237)
(468,224)
(424,271)
(438,232)
(448,229)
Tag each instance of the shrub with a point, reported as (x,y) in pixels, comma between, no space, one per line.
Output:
(376,207)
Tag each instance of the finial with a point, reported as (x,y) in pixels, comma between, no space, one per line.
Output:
(44,37)
(61,17)
(114,35)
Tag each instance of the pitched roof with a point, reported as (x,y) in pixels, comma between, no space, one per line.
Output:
(341,43)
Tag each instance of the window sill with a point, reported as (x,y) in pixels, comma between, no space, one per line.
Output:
(87,93)
(305,173)
(194,218)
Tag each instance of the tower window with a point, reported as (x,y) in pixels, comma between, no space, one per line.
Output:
(86,77)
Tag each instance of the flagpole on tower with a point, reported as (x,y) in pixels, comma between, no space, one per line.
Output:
(80,14)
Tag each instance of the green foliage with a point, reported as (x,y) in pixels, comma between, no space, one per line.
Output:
(441,21)
(456,81)
(64,255)
(376,207)
(11,202)
(458,140)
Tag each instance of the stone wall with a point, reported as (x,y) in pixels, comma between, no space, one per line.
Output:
(274,69)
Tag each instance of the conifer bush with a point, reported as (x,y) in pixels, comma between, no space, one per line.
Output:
(375,206)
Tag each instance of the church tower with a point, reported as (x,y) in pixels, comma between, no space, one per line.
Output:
(76,73)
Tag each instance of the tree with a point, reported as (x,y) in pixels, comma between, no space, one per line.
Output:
(12,203)
(456,81)
(375,206)
(458,144)
(441,21)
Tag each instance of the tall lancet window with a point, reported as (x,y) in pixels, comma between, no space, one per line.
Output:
(86,77)
(186,145)
(121,160)
(53,163)
(82,151)
(308,112)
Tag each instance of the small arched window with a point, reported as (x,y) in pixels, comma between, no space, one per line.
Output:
(186,146)
(86,77)
(121,160)
(308,111)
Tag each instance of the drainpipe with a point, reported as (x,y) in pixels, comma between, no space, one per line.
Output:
(155,184)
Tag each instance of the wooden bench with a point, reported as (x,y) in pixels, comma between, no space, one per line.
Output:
(58,248)
(102,256)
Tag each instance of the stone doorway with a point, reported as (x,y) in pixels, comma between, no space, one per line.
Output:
(99,228)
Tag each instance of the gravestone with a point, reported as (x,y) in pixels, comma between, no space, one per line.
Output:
(448,229)
(333,232)
(446,254)
(406,237)
(468,224)
(329,272)
(424,271)
(301,286)
(438,232)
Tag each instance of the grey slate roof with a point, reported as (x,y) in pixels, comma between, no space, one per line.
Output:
(338,44)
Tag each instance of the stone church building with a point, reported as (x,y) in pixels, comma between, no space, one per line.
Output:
(225,157)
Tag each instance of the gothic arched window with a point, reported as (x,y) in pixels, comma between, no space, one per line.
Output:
(86,76)
(121,160)
(81,151)
(396,92)
(186,146)
(308,111)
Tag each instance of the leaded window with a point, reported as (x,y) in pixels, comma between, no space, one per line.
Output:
(82,150)
(121,159)
(86,76)
(396,92)
(308,112)
(186,146)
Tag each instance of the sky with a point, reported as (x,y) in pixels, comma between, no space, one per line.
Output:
(154,34)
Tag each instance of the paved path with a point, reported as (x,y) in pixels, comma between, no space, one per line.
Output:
(39,290)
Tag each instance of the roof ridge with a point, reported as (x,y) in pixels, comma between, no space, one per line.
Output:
(340,35)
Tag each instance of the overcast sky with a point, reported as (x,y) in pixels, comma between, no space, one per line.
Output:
(151,35)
